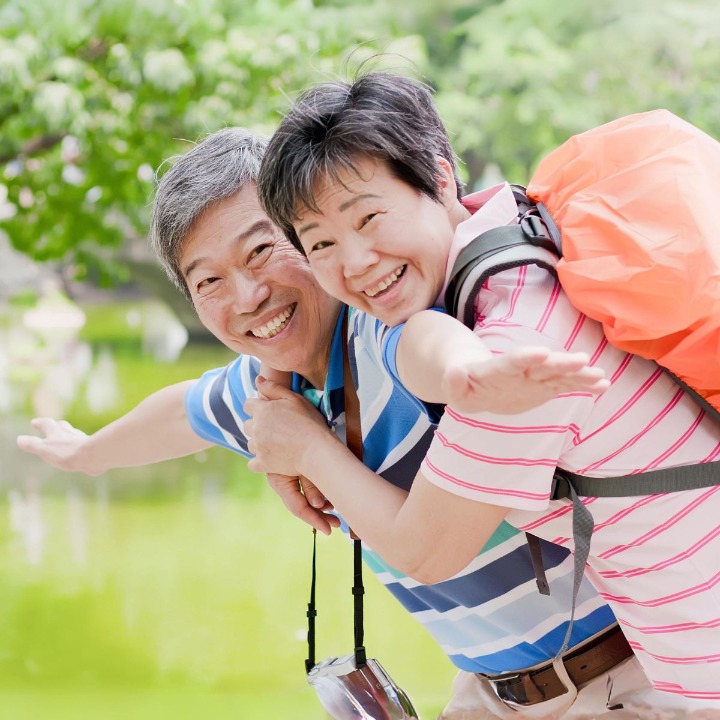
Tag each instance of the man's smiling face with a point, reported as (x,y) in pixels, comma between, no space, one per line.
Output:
(254,291)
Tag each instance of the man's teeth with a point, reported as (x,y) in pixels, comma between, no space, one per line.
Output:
(275,325)
(386,283)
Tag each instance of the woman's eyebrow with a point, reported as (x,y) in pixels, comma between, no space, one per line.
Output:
(357,198)
(341,208)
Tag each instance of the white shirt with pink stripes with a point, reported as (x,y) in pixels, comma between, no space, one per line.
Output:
(655,559)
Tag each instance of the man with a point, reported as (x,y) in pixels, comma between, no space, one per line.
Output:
(257,295)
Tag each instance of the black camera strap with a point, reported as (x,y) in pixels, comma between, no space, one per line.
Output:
(353,439)
(312,612)
(358,592)
(353,435)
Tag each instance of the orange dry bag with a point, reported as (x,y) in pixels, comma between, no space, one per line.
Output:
(636,202)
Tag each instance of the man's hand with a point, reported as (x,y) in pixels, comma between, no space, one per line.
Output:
(279,431)
(282,431)
(519,380)
(61,445)
(304,501)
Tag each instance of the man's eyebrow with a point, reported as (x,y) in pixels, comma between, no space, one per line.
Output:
(191,266)
(341,208)
(254,229)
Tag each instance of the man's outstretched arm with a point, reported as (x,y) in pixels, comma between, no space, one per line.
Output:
(157,429)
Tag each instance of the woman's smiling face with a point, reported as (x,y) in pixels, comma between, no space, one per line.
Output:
(378,244)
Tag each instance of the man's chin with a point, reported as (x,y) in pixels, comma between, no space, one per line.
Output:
(261,348)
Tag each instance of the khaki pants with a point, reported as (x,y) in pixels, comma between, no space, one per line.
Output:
(626,685)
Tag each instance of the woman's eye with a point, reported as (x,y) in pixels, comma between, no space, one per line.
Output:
(320,245)
(367,219)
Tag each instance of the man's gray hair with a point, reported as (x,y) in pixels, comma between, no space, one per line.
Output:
(213,170)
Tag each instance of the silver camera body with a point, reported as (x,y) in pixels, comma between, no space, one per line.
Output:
(365,693)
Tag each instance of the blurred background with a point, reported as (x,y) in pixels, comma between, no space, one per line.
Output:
(179,590)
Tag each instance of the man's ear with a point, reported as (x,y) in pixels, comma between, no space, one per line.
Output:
(447,187)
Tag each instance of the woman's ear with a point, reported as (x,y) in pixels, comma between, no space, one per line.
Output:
(447,187)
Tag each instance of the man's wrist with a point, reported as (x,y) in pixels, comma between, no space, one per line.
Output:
(88,460)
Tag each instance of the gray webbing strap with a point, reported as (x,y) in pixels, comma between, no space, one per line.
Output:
(583,526)
(653,482)
(570,485)
(699,399)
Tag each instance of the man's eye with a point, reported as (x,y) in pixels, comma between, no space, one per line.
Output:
(259,250)
(206,283)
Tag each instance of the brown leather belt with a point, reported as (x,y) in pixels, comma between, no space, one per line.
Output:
(583,664)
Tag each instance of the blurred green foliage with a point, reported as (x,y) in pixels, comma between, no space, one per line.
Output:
(95,95)
(521,76)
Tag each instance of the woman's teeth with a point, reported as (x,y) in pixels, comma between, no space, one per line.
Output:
(391,279)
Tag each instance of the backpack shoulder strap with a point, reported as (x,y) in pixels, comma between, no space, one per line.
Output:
(534,240)
(489,253)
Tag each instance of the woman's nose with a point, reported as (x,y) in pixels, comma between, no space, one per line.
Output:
(358,257)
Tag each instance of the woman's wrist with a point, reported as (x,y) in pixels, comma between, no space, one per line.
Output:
(317,441)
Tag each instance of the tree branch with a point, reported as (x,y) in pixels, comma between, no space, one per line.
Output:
(35,146)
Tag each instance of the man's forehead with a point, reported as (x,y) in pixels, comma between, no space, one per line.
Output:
(230,223)
(243,206)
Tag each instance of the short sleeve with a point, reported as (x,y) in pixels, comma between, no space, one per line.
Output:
(510,460)
(214,404)
(388,339)
(506,460)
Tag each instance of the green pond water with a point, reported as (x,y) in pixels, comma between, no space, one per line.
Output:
(172,591)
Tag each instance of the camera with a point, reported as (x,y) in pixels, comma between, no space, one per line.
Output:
(349,692)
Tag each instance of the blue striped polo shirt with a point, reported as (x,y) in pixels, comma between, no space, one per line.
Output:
(488,618)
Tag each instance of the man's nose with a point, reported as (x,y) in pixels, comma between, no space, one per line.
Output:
(248,292)
(358,257)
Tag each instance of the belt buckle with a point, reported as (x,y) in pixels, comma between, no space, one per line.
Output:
(523,689)
(518,690)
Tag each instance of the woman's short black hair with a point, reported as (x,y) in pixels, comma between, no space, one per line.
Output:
(386,116)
